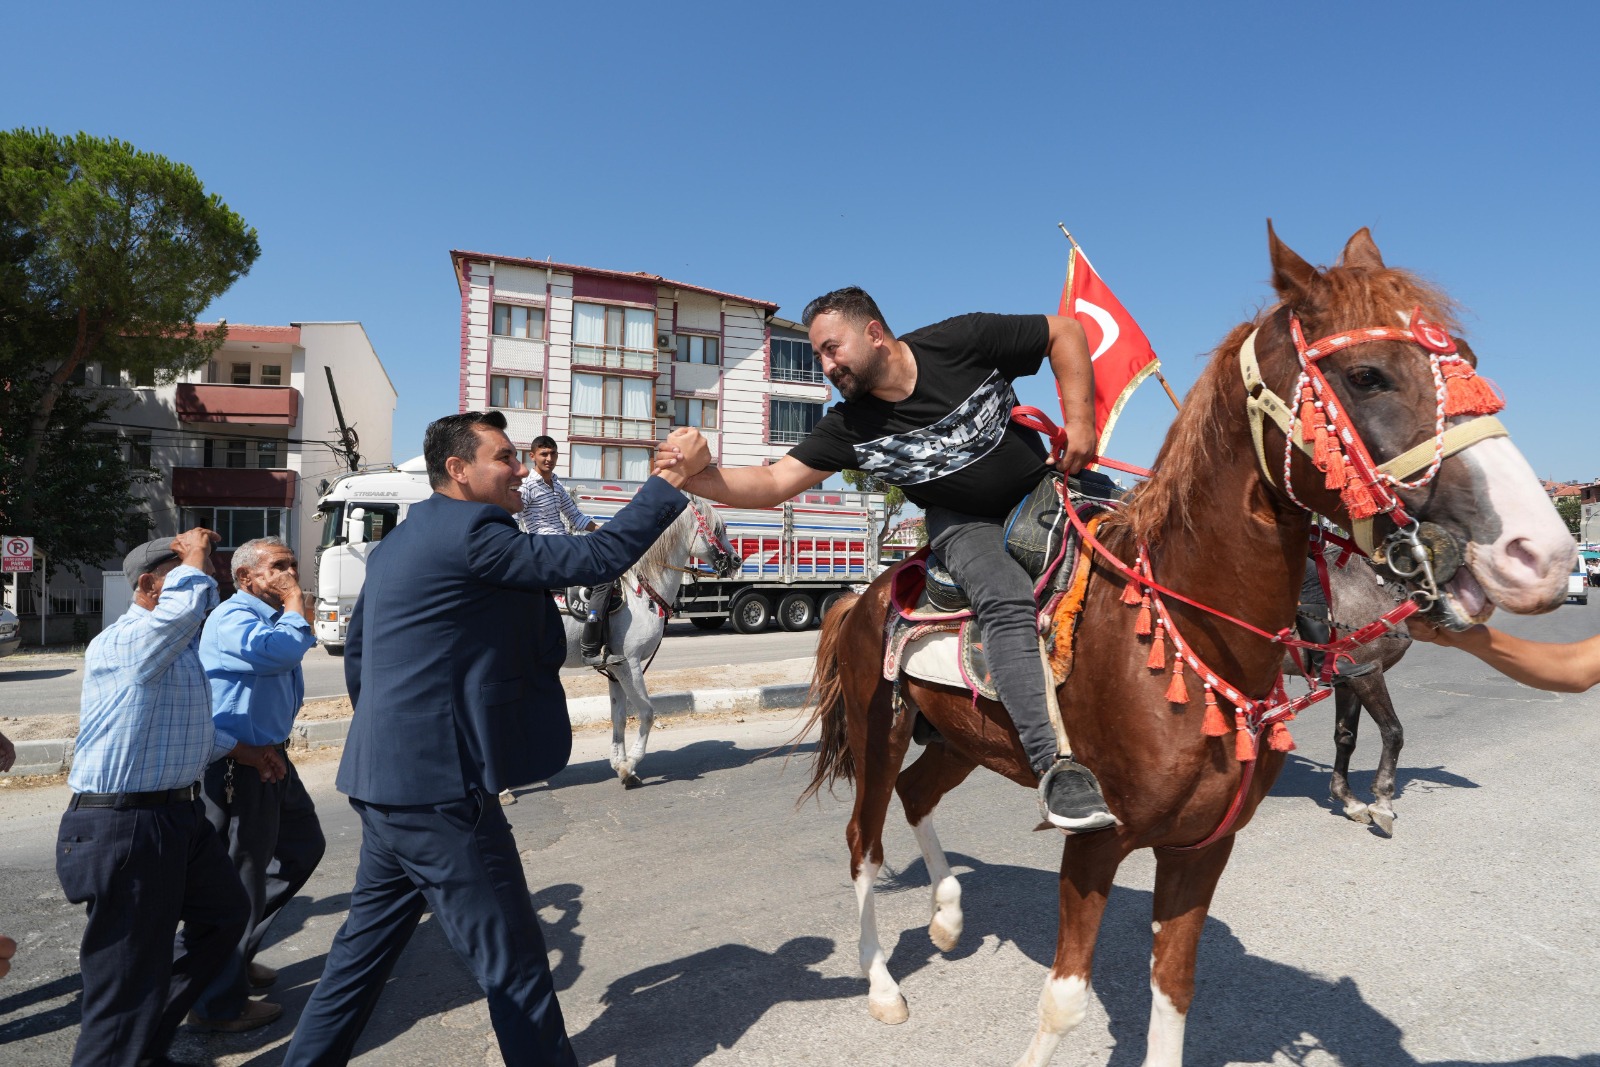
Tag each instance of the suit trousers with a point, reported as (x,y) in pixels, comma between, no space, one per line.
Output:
(141,871)
(275,842)
(973,549)
(459,859)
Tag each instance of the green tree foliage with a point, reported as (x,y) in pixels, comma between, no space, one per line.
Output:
(107,254)
(894,501)
(1570,508)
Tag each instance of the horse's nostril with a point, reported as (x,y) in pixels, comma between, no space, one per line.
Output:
(1520,551)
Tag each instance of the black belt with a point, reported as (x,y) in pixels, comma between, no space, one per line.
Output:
(158,799)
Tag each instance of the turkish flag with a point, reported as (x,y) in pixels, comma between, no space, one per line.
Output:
(1121,353)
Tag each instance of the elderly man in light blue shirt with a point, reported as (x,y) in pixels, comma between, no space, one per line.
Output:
(251,651)
(134,845)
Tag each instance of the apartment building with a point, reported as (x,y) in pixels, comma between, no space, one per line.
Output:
(607,362)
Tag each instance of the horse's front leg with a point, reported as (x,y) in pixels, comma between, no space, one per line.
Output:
(1089,863)
(1380,705)
(629,679)
(1346,724)
(938,770)
(619,726)
(1185,882)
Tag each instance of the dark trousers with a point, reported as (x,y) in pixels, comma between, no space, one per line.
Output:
(973,550)
(275,842)
(141,871)
(460,860)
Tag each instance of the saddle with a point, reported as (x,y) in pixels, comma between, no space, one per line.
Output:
(575,601)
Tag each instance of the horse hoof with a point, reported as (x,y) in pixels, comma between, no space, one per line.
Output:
(632,781)
(944,937)
(893,1012)
(1358,813)
(1383,820)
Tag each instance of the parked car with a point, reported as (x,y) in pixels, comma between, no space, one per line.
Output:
(1578,584)
(10,632)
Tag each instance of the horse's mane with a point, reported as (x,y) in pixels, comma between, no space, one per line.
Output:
(1212,424)
(658,558)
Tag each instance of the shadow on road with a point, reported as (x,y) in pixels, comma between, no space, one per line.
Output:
(687,764)
(1307,778)
(34,676)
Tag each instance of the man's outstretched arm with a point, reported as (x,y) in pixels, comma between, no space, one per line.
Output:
(754,487)
(1561,668)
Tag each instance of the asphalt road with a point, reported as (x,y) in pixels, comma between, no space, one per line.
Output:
(50,683)
(705,919)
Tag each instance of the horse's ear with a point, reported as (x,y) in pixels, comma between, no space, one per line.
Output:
(1297,282)
(1362,251)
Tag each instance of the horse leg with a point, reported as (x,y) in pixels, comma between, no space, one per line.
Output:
(1185,882)
(631,681)
(1346,723)
(1089,863)
(877,760)
(1381,707)
(938,770)
(619,727)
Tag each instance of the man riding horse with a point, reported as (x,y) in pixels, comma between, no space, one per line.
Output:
(547,508)
(931,412)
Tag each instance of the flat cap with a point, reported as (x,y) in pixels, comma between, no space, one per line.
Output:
(146,558)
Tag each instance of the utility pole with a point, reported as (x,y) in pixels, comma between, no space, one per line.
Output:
(347,436)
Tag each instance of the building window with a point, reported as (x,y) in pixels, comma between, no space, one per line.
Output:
(514,320)
(271,374)
(605,336)
(607,406)
(795,361)
(692,349)
(268,455)
(691,411)
(138,450)
(507,392)
(611,461)
(235,526)
(791,421)
(240,374)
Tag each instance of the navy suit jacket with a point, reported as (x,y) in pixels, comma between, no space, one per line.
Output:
(454,647)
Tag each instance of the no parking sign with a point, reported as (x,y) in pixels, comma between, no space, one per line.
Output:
(18,554)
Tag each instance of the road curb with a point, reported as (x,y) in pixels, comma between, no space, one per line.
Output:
(55,755)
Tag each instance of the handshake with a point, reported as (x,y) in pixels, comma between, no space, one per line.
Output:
(681,456)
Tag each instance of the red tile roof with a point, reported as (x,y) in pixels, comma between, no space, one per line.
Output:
(456,256)
(238,331)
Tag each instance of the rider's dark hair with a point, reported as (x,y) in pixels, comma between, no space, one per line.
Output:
(545,441)
(455,435)
(853,302)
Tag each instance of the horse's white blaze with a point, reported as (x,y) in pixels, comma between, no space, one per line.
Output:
(883,994)
(1524,569)
(1165,1045)
(1062,1005)
(947,919)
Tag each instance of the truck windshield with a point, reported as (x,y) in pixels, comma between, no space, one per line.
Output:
(331,515)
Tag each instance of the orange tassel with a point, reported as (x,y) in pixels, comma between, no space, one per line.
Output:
(1467,394)
(1141,625)
(1358,499)
(1214,724)
(1158,650)
(1338,476)
(1177,690)
(1279,739)
(1308,415)
(1323,446)
(1244,746)
(1131,593)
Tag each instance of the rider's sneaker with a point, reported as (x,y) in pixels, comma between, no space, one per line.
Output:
(1069,797)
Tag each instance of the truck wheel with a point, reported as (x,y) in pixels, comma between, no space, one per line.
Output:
(334,650)
(797,612)
(751,612)
(709,622)
(829,601)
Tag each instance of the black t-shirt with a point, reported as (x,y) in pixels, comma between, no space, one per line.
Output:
(951,443)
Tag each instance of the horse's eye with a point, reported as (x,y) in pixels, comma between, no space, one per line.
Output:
(1366,379)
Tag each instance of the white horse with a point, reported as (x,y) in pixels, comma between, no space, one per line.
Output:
(649,589)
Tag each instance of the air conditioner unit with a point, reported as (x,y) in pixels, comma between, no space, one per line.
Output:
(665,341)
(663,409)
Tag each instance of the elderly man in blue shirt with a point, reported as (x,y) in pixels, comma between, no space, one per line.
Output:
(134,844)
(251,650)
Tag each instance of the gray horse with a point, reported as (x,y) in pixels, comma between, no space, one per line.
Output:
(1358,597)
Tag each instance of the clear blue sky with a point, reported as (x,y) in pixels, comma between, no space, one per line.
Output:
(924,151)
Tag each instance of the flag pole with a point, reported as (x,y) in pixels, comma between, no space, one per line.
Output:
(1159,376)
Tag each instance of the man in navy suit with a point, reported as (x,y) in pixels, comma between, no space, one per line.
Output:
(451,660)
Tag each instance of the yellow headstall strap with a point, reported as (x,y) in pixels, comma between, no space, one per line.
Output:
(1262,403)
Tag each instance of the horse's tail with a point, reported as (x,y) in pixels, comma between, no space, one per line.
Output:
(834,760)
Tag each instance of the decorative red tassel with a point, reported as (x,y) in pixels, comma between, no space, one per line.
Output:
(1308,414)
(1324,444)
(1158,650)
(1279,739)
(1244,746)
(1465,393)
(1337,475)
(1131,593)
(1358,499)
(1214,724)
(1141,625)
(1177,690)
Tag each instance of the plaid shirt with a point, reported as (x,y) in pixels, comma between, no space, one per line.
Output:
(545,505)
(146,713)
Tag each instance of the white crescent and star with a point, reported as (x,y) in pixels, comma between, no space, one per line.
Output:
(1109,330)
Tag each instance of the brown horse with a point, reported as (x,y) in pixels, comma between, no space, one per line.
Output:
(1222,530)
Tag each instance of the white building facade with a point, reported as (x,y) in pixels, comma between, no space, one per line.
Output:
(607,363)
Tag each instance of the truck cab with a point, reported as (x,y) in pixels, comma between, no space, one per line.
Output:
(357,512)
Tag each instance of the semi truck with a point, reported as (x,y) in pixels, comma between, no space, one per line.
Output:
(798,558)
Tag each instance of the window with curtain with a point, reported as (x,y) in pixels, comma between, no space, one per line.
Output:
(506,391)
(795,361)
(516,320)
(604,405)
(271,374)
(585,461)
(693,349)
(608,336)
(791,420)
(692,411)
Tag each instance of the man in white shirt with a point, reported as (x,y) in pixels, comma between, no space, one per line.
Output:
(547,508)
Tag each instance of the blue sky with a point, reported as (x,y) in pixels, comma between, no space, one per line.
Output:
(924,151)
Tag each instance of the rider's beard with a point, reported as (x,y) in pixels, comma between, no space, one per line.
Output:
(853,385)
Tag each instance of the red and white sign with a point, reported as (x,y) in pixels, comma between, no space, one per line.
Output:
(18,554)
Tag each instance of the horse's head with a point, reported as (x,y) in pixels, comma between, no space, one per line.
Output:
(1399,445)
(711,540)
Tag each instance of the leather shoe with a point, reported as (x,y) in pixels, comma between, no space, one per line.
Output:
(256,1013)
(261,976)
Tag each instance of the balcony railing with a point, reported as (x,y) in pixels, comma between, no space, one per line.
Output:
(798,374)
(612,427)
(233,487)
(614,358)
(247,405)
(786,437)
